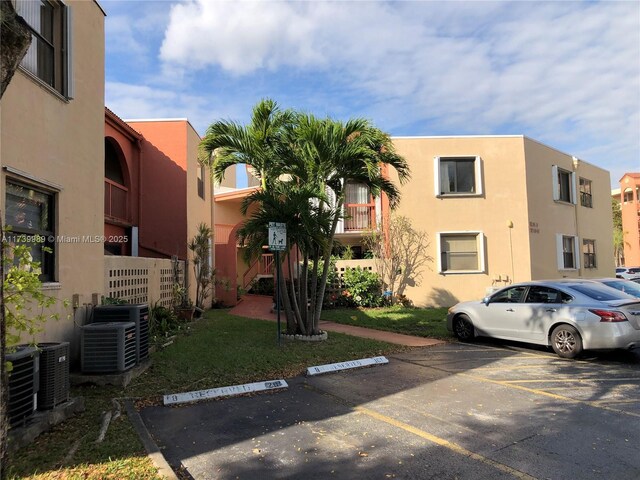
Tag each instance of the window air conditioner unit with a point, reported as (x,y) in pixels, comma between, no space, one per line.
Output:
(23,384)
(108,347)
(138,314)
(54,374)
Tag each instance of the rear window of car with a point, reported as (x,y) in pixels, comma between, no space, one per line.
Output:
(625,286)
(599,292)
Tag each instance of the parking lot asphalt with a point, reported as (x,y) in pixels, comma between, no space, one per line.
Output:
(456,411)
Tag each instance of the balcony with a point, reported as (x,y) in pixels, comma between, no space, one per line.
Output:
(359,217)
(116,199)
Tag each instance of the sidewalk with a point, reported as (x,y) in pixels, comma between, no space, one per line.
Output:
(258,306)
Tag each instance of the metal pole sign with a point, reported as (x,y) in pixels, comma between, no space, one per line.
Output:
(277,244)
(277,236)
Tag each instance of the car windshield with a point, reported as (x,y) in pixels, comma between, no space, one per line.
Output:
(627,287)
(599,292)
(620,270)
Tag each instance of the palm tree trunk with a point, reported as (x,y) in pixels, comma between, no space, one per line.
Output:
(294,297)
(304,287)
(284,297)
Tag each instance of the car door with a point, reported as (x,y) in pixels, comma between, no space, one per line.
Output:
(541,308)
(501,318)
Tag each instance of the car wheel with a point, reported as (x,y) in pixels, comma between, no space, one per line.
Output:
(463,328)
(566,341)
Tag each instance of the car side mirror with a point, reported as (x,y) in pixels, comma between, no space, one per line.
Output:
(486,300)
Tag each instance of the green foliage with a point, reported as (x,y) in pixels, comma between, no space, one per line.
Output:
(200,249)
(163,322)
(25,303)
(361,288)
(304,164)
(113,301)
(263,286)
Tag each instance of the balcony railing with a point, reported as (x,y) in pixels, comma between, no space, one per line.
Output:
(115,200)
(359,217)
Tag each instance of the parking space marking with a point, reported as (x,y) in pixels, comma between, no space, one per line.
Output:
(544,393)
(444,443)
(573,380)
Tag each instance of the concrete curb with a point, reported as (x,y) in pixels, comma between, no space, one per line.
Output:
(150,446)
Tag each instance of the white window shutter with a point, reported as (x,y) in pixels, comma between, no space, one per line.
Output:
(481,265)
(574,196)
(559,255)
(436,176)
(478,167)
(439,254)
(556,185)
(577,252)
(70,93)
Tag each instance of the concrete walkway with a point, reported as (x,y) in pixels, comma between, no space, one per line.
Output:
(258,306)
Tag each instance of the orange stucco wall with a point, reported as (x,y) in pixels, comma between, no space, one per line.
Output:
(631,219)
(163,188)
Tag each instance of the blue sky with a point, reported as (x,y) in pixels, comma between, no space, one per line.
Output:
(564,73)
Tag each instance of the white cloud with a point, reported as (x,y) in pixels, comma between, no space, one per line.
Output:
(565,72)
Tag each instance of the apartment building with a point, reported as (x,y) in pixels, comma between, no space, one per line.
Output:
(630,208)
(52,146)
(503,209)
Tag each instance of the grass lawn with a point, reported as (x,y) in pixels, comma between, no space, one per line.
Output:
(421,322)
(218,350)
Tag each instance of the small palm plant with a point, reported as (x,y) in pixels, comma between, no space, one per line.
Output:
(200,247)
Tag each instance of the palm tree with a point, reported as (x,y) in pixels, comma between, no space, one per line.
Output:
(296,206)
(304,164)
(258,144)
(332,154)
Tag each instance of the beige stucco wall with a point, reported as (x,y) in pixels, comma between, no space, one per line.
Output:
(503,202)
(551,218)
(61,142)
(199,210)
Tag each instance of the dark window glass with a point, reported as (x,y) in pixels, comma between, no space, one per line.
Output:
(457,175)
(585,193)
(30,220)
(599,292)
(564,182)
(509,295)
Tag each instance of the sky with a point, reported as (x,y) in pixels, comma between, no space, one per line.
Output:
(566,73)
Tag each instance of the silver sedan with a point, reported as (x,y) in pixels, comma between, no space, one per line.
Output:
(568,315)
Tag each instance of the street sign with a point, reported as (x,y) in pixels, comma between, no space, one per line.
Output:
(277,236)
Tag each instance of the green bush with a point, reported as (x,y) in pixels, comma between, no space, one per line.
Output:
(361,288)
(163,322)
(263,286)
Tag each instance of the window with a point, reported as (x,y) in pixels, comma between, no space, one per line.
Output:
(589,253)
(201,181)
(564,185)
(30,215)
(567,246)
(540,294)
(585,193)
(457,176)
(627,195)
(461,252)
(509,295)
(49,56)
